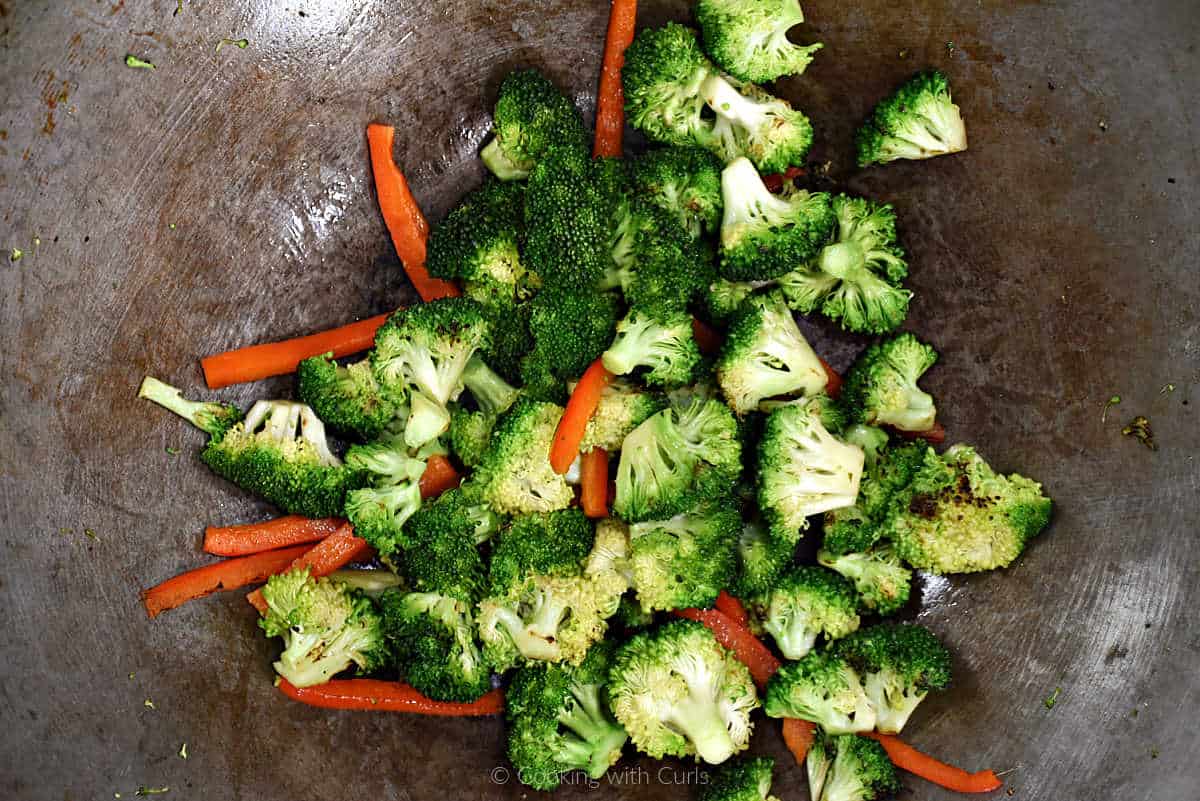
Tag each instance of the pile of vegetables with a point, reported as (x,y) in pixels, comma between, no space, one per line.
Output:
(574,479)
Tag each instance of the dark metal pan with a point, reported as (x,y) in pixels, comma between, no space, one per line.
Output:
(223,199)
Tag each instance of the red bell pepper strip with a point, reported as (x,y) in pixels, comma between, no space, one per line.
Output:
(907,758)
(228,574)
(373,695)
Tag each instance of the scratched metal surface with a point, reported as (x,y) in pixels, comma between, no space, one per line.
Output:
(222,199)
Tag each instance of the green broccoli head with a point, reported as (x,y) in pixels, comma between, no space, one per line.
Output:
(899,665)
(379,512)
(210,417)
(761,560)
(654,260)
(511,339)
(685,182)
(568,221)
(280,453)
(754,124)
(664,69)
(542,604)
(678,692)
(675,458)
(558,720)
(453,520)
(325,627)
(849,768)
(421,353)
(433,639)
(538,381)
(765,356)
(855,279)
(740,780)
(823,688)
(622,408)
(531,116)
(803,470)
(686,560)
(806,603)
(763,235)
(880,388)
(748,38)
(571,328)
(881,580)
(656,341)
(856,528)
(348,399)
(723,299)
(514,472)
(470,433)
(918,121)
(960,516)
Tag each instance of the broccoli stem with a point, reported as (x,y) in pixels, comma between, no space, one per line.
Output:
(529,645)
(203,415)
(794,639)
(699,720)
(491,392)
(842,259)
(599,737)
(502,166)
(427,421)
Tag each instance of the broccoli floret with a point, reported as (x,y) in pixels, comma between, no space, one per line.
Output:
(531,115)
(538,381)
(654,261)
(348,399)
(657,342)
(849,768)
(805,603)
(210,417)
(686,560)
(293,469)
(542,605)
(763,235)
(568,221)
(765,356)
(664,69)
(622,408)
(754,124)
(960,516)
(421,353)
(858,527)
(678,692)
(571,329)
(856,278)
(433,638)
(685,182)
(880,388)
(558,720)
(899,665)
(511,339)
(881,580)
(821,687)
(740,780)
(675,458)
(478,244)
(325,627)
(748,38)
(803,470)
(919,121)
(461,509)
(514,473)
(379,512)
(469,434)
(761,560)
(723,299)
(471,431)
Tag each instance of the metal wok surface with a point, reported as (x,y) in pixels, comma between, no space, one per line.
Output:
(223,199)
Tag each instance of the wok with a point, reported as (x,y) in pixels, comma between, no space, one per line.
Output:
(223,199)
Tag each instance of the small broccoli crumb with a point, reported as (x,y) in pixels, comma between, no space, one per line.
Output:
(1167,389)
(1052,699)
(91,535)
(1154,753)
(172,450)
(1111,402)
(137,63)
(143,790)
(239,43)
(148,704)
(15,255)
(1139,428)
(183,751)
(131,675)
(178,8)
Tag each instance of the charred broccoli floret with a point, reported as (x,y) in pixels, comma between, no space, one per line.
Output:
(763,235)
(678,692)
(675,458)
(348,399)
(686,560)
(899,665)
(558,720)
(531,116)
(960,516)
(822,687)
(858,527)
(748,38)
(325,627)
(919,121)
(856,279)
(881,386)
(765,356)
(806,603)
